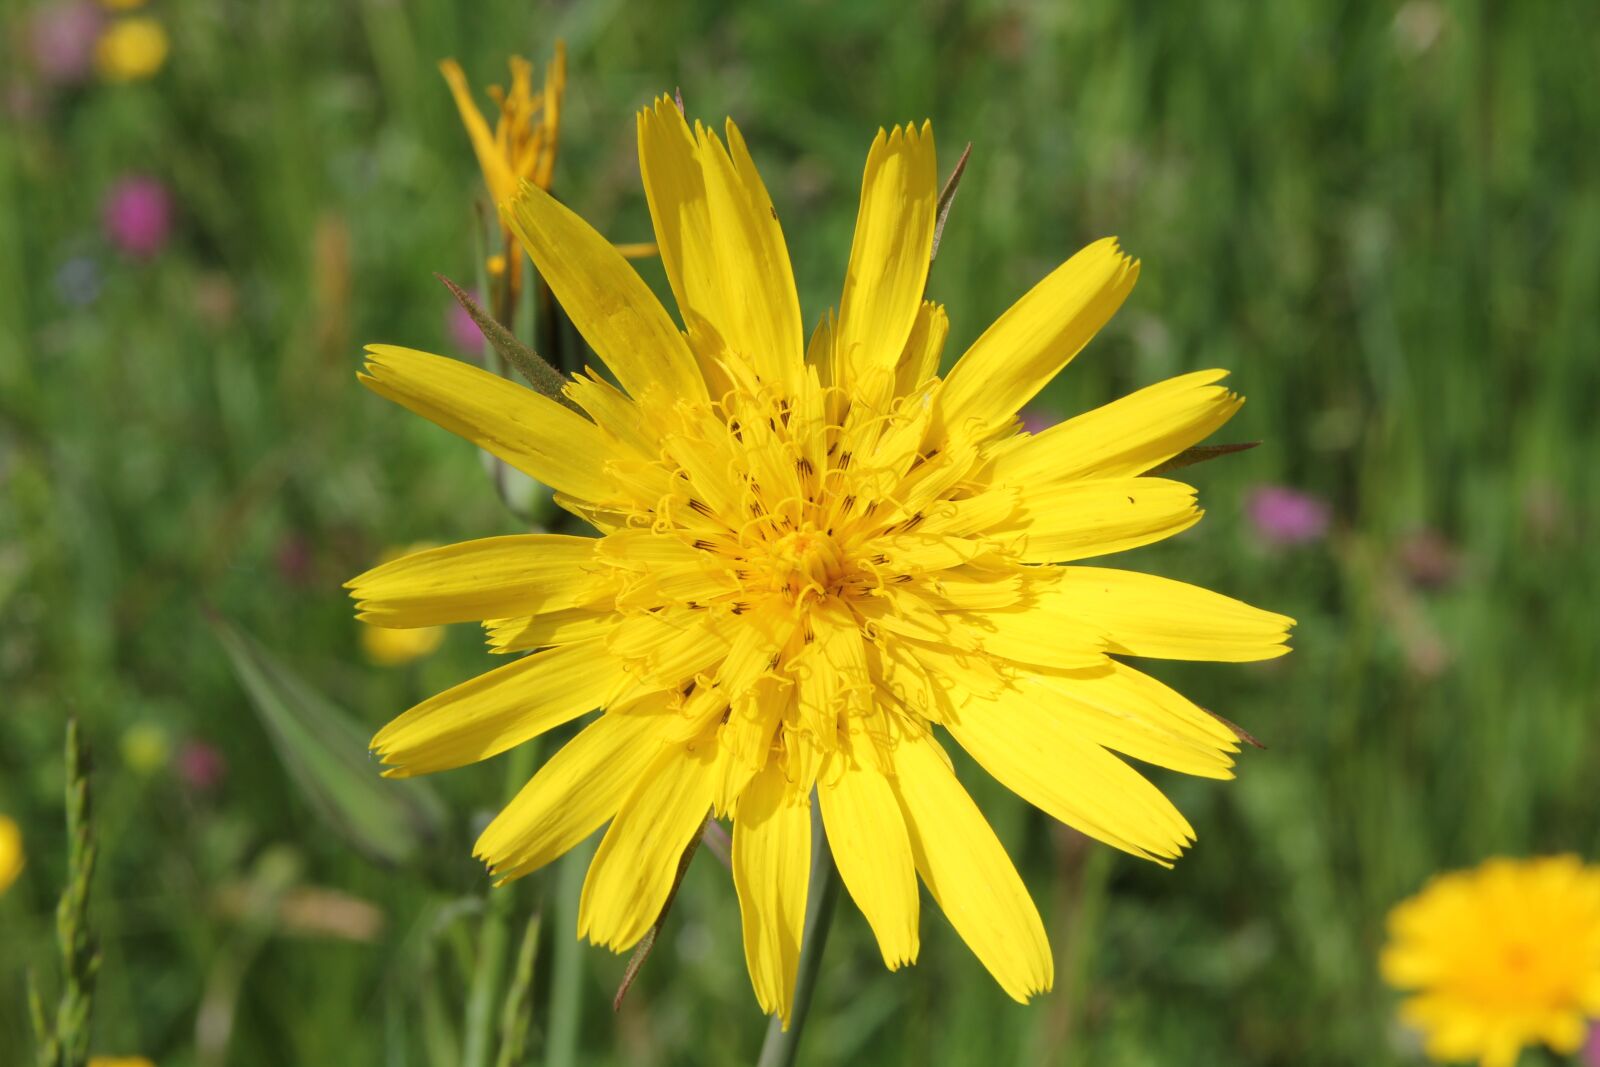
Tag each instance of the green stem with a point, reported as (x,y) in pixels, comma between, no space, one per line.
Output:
(566,980)
(494,938)
(781,1046)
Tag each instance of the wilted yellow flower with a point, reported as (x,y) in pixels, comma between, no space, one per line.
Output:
(390,647)
(527,131)
(1500,957)
(806,561)
(131,49)
(12,859)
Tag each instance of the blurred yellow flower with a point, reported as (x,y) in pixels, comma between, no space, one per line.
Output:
(808,559)
(390,647)
(131,49)
(145,747)
(12,859)
(526,135)
(1500,957)
(120,1061)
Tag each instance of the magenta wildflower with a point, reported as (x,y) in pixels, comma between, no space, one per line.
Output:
(464,333)
(201,765)
(137,215)
(1284,516)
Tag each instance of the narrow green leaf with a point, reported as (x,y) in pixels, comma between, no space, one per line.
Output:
(544,378)
(947,196)
(326,756)
(1200,454)
(642,951)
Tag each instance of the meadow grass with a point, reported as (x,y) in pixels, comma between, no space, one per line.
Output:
(1385,220)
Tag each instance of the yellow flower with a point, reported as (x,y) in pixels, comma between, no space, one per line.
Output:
(12,859)
(527,132)
(120,1061)
(806,561)
(390,647)
(131,49)
(1500,957)
(145,747)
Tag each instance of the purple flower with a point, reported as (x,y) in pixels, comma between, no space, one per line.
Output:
(137,214)
(464,333)
(1591,1048)
(62,39)
(1284,516)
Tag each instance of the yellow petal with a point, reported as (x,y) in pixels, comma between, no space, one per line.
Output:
(771,871)
(1083,519)
(555,88)
(636,863)
(867,834)
(1100,706)
(675,188)
(968,872)
(721,243)
(492,578)
(534,434)
(1124,691)
(1037,755)
(497,173)
(1030,343)
(919,361)
(486,715)
(564,627)
(1044,634)
(760,316)
(833,683)
(576,791)
(607,300)
(1143,615)
(1125,437)
(888,262)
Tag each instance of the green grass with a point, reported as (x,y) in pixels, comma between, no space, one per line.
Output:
(1392,241)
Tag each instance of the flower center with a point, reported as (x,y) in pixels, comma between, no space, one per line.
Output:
(805,562)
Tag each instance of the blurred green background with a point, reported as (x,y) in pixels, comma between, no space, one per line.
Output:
(1384,218)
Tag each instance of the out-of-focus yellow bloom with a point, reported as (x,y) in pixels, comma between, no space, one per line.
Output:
(390,647)
(1500,957)
(131,49)
(11,858)
(120,1061)
(527,131)
(145,747)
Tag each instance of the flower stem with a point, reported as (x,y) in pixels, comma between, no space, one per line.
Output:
(781,1046)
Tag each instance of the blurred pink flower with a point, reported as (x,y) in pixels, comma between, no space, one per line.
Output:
(62,37)
(1591,1048)
(464,333)
(201,765)
(1038,420)
(1284,516)
(293,559)
(137,214)
(1429,560)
